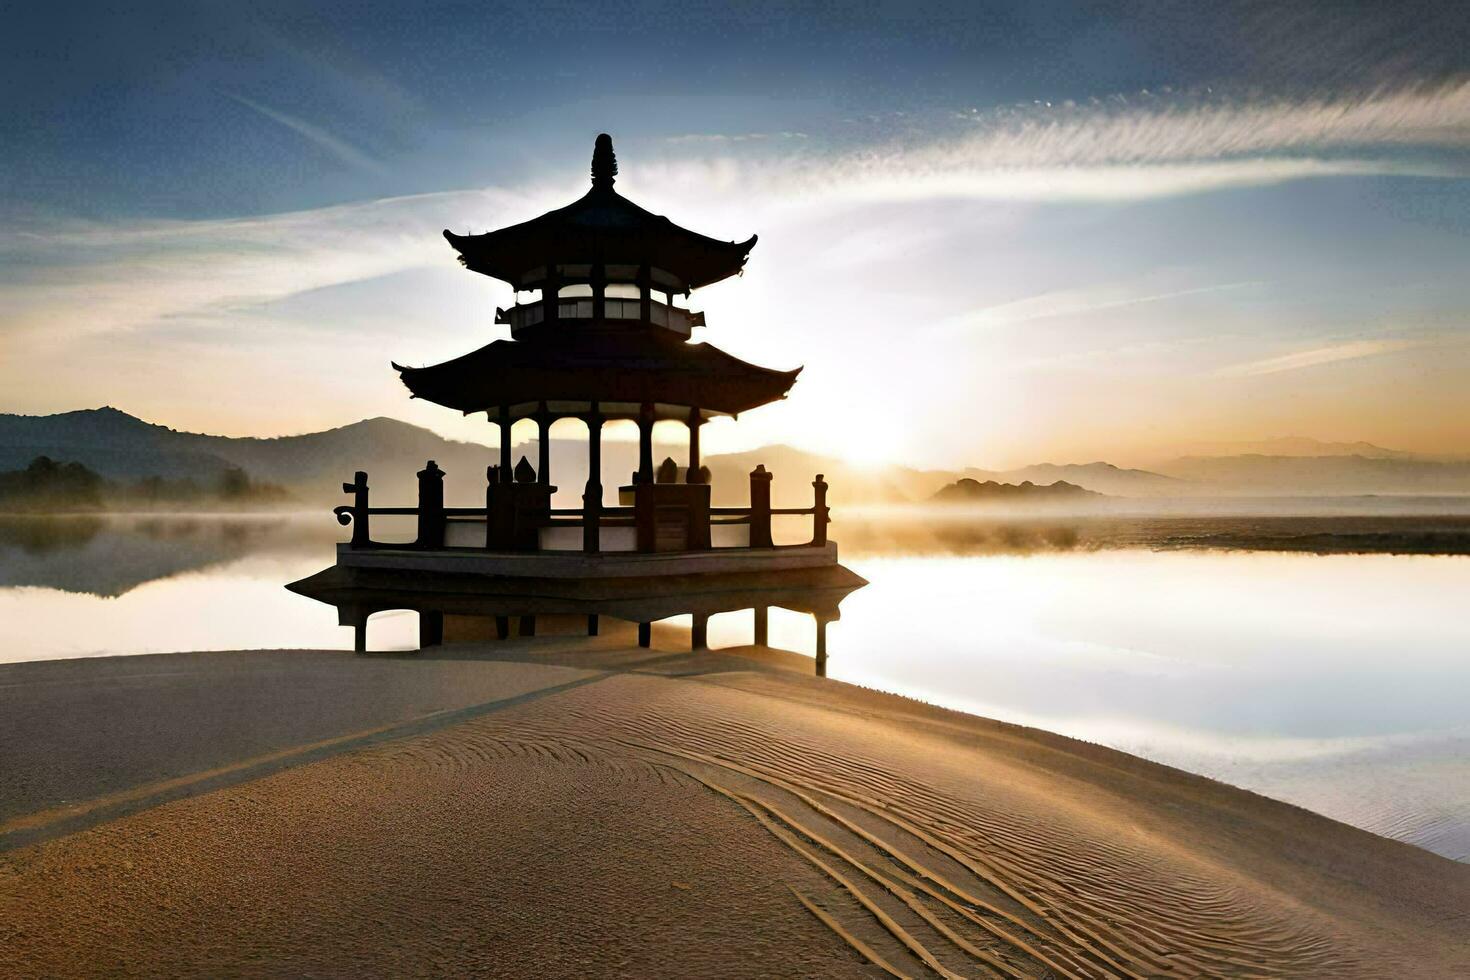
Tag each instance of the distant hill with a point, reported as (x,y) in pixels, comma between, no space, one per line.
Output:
(1256,474)
(122,447)
(967,490)
(1292,446)
(1100,477)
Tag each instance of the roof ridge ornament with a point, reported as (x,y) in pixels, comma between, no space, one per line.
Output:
(604,162)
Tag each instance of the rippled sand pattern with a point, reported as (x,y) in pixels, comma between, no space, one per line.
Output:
(725,823)
(931,883)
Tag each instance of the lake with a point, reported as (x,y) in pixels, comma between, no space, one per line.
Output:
(1334,681)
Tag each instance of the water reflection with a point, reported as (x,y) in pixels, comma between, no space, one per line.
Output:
(112,555)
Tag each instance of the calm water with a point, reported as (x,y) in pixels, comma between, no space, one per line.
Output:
(1337,682)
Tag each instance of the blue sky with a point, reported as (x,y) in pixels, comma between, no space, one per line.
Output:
(994,233)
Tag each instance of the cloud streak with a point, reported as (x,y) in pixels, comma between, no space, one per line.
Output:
(1071,302)
(1318,356)
(337,147)
(1123,152)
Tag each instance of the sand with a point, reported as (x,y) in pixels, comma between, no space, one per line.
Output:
(575,807)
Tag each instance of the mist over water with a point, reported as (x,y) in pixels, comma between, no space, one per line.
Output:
(1318,659)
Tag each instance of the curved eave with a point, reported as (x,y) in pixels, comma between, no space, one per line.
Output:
(515,373)
(602,226)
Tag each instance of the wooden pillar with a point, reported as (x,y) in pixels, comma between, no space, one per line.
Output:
(543,438)
(592,495)
(699,633)
(599,291)
(760,507)
(528,626)
(359,635)
(762,630)
(359,509)
(431,628)
(645,294)
(645,442)
(821,647)
(695,421)
(592,624)
(550,296)
(507,474)
(431,507)
(645,635)
(502,627)
(820,514)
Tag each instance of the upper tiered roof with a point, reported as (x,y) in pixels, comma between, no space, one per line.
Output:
(601,228)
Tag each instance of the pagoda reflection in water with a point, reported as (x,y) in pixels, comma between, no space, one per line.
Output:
(601,339)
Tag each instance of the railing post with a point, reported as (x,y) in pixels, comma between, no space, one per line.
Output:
(820,514)
(431,506)
(698,538)
(358,512)
(499,510)
(760,507)
(645,517)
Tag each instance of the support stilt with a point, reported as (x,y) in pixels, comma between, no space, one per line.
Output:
(645,635)
(821,648)
(528,626)
(502,627)
(592,624)
(699,633)
(359,636)
(762,636)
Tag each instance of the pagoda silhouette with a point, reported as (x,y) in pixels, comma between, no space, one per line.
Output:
(601,339)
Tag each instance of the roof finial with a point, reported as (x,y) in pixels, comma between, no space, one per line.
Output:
(604,162)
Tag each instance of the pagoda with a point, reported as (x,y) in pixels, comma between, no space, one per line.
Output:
(601,338)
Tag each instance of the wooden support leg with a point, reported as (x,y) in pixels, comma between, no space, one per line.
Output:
(528,626)
(762,626)
(645,635)
(592,624)
(699,633)
(359,636)
(821,648)
(431,628)
(502,627)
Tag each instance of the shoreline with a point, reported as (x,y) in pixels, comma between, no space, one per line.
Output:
(1089,859)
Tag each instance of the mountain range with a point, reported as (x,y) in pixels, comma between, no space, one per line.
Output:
(313,466)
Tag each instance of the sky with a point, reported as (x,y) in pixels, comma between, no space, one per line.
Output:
(993,233)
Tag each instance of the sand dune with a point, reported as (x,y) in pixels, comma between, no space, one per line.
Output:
(575,807)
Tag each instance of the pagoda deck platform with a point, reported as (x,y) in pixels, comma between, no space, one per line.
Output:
(588,565)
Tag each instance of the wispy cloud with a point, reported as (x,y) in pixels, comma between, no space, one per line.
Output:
(1317,356)
(1104,134)
(338,147)
(1123,152)
(73,279)
(1071,303)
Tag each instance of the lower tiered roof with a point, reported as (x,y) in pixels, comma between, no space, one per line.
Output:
(618,368)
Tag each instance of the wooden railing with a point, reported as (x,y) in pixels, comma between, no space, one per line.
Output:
(515,513)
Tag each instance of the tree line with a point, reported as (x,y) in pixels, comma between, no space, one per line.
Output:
(51,485)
